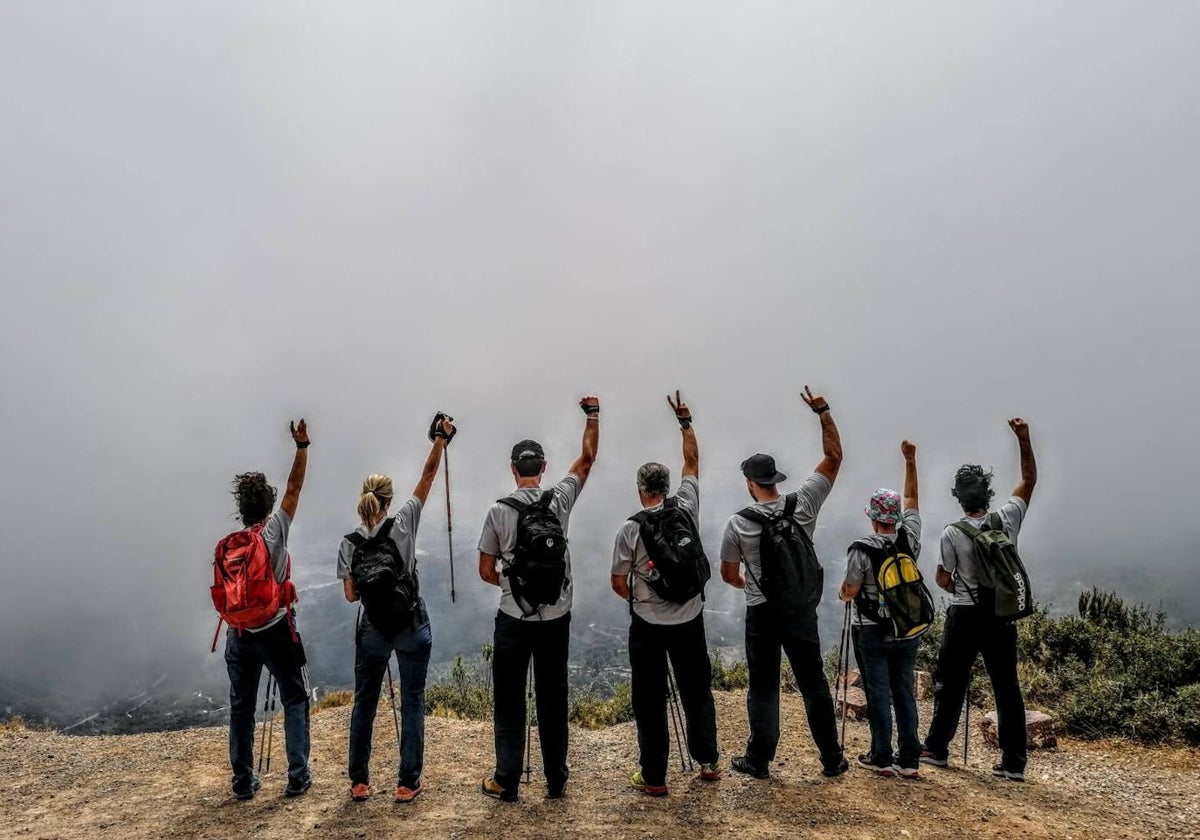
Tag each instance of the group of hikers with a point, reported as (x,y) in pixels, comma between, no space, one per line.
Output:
(660,569)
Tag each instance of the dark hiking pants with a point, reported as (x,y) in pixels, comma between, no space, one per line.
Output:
(764,643)
(372,658)
(649,647)
(515,642)
(246,654)
(970,632)
(887,669)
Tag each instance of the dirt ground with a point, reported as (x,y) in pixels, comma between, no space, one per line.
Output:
(176,784)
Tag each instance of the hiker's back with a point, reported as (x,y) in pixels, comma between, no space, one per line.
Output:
(970,548)
(670,591)
(251,580)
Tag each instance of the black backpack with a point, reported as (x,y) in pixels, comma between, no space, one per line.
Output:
(792,578)
(389,593)
(903,606)
(1004,589)
(537,574)
(673,546)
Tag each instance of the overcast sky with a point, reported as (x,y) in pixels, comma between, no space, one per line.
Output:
(219,216)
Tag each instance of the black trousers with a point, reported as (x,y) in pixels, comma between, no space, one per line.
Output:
(970,632)
(765,640)
(547,642)
(687,647)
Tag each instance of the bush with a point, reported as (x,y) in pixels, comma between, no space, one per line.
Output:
(727,677)
(332,700)
(593,711)
(466,694)
(13,723)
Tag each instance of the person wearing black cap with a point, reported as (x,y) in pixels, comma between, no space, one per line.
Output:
(526,625)
(766,634)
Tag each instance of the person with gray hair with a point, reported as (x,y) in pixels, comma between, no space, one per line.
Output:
(659,567)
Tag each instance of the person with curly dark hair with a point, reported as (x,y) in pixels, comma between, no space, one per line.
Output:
(273,642)
(972,629)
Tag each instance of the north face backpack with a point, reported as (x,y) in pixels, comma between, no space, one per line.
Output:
(1003,582)
(673,545)
(245,592)
(792,578)
(388,591)
(537,574)
(903,606)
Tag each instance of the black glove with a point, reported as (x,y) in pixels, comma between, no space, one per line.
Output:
(435,428)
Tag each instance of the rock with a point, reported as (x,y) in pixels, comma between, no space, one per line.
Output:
(1039,728)
(853,705)
(854,678)
(923,685)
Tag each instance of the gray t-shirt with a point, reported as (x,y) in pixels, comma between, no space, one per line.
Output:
(275,534)
(740,541)
(629,555)
(858,563)
(958,551)
(499,536)
(404,534)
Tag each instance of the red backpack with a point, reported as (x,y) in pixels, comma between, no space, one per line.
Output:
(245,591)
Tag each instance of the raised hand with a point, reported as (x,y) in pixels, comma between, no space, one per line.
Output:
(590,405)
(680,408)
(1020,428)
(908,449)
(442,427)
(299,433)
(816,402)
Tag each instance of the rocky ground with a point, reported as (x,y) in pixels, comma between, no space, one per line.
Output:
(175,784)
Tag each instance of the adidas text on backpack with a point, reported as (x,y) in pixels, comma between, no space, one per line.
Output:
(389,592)
(537,574)
(792,578)
(1003,582)
(245,591)
(903,606)
(673,546)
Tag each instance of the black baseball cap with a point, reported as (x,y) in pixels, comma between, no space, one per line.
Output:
(760,469)
(528,450)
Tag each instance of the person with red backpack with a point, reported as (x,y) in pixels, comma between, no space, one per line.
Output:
(377,564)
(253,593)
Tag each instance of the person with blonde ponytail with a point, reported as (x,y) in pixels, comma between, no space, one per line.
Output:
(377,564)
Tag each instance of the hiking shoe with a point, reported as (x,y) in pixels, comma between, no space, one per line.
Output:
(935,759)
(906,772)
(867,763)
(834,770)
(248,793)
(709,772)
(408,794)
(295,789)
(491,787)
(742,764)
(638,783)
(1011,775)
(360,792)
(557,792)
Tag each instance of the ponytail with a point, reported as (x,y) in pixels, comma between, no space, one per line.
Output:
(375,498)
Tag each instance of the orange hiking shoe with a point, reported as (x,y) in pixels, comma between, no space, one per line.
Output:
(491,787)
(408,794)
(361,792)
(709,773)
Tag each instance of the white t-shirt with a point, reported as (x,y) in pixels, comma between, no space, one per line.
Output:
(858,562)
(499,536)
(740,540)
(629,555)
(958,551)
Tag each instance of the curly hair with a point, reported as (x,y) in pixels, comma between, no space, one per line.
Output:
(255,498)
(973,488)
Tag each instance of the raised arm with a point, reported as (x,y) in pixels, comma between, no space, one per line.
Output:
(591,438)
(908,500)
(1024,490)
(295,482)
(441,431)
(691,448)
(831,441)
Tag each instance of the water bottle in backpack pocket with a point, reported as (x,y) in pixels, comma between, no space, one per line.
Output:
(537,574)
(903,606)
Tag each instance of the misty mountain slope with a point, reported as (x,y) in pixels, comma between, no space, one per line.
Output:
(176,785)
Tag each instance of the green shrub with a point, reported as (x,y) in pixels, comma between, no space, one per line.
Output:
(593,711)
(466,694)
(332,700)
(729,676)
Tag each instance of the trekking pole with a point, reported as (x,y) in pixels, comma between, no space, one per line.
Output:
(967,720)
(685,758)
(529,726)
(271,726)
(262,741)
(449,521)
(392,694)
(846,675)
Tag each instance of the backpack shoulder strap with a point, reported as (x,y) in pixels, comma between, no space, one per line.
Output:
(967,528)
(640,517)
(515,504)
(671,502)
(994,523)
(789,505)
(355,539)
(754,515)
(546,498)
(868,548)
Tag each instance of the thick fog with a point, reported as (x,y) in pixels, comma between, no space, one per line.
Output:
(218,217)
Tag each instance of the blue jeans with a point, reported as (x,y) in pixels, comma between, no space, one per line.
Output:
(245,655)
(887,670)
(372,657)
